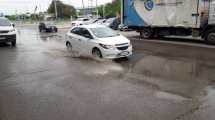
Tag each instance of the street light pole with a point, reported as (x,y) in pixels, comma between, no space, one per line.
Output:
(122,11)
(55,7)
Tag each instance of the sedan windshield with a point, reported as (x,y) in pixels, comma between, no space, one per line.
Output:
(4,22)
(102,32)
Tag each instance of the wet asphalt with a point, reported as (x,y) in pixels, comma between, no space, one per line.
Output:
(166,79)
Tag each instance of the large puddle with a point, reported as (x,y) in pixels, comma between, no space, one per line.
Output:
(177,78)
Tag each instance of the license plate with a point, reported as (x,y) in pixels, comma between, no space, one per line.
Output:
(2,38)
(124,53)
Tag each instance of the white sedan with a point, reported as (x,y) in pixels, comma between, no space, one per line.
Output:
(97,41)
(80,21)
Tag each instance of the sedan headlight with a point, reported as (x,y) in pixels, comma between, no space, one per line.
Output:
(106,46)
(12,30)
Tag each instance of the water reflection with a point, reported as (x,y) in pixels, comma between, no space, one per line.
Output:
(174,68)
(178,76)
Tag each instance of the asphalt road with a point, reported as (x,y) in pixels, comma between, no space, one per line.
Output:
(168,79)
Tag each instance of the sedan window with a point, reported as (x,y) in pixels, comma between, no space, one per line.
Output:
(86,33)
(76,30)
(85,19)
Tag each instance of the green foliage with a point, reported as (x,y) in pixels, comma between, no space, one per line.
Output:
(80,12)
(100,10)
(11,17)
(36,17)
(63,10)
(111,9)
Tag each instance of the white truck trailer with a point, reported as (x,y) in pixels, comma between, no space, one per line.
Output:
(156,18)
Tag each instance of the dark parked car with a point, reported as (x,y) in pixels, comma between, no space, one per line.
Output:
(112,23)
(122,27)
(43,27)
(100,21)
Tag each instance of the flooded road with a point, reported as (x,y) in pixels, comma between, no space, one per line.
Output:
(40,80)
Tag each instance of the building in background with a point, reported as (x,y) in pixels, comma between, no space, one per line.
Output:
(86,11)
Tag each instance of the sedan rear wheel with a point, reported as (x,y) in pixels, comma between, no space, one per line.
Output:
(71,51)
(69,46)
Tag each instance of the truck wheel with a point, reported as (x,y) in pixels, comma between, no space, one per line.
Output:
(210,37)
(146,33)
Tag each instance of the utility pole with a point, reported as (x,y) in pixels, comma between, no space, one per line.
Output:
(122,11)
(83,7)
(97,11)
(91,6)
(55,7)
(88,6)
(103,11)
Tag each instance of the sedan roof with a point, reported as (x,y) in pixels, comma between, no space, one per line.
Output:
(92,26)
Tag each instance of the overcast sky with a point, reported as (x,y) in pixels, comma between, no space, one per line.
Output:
(23,6)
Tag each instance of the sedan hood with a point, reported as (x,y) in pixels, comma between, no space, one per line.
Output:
(6,28)
(114,40)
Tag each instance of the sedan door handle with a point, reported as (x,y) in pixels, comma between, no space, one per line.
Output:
(79,40)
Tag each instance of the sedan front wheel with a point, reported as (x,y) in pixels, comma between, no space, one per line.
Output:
(97,54)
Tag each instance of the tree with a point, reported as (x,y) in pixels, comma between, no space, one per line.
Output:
(63,10)
(11,17)
(111,9)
